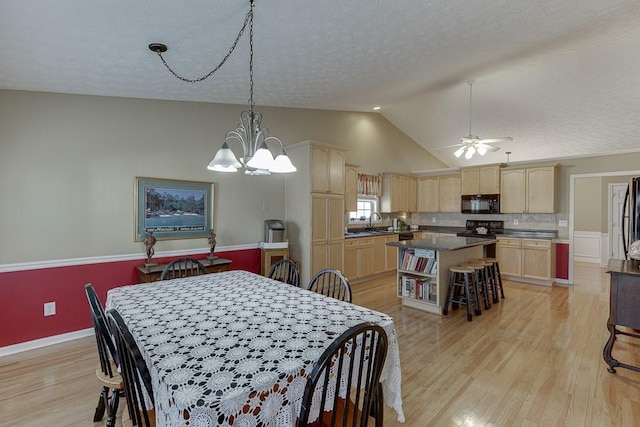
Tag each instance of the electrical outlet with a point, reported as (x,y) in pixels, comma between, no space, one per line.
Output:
(49,308)
(563,223)
(516,222)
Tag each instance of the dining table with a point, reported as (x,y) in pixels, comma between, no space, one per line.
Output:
(236,348)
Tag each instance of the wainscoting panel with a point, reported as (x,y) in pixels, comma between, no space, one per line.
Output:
(586,246)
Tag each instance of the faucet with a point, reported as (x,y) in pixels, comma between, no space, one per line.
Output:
(370,218)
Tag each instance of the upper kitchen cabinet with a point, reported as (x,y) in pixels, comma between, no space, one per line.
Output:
(449,193)
(428,194)
(398,193)
(351,188)
(327,170)
(481,180)
(530,190)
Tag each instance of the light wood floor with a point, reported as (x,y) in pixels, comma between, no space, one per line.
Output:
(535,359)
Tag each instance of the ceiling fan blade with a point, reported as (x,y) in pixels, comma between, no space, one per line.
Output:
(488,147)
(500,139)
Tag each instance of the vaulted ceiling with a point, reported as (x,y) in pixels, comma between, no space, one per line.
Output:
(559,76)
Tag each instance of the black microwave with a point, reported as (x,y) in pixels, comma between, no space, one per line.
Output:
(481,204)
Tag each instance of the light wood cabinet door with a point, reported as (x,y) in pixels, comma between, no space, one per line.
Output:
(470,181)
(509,255)
(335,255)
(536,259)
(319,169)
(319,258)
(428,194)
(351,259)
(319,218)
(350,189)
(392,253)
(513,187)
(335,215)
(336,172)
(412,194)
(541,189)
(398,193)
(379,254)
(489,182)
(365,258)
(449,189)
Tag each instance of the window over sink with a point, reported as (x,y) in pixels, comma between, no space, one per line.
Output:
(366,206)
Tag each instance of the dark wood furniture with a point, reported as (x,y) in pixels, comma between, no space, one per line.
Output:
(624,307)
(152,274)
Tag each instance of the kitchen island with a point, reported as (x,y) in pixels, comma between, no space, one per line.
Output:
(423,268)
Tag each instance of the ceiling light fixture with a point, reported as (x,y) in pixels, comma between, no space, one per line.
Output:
(257,158)
(471,144)
(376,108)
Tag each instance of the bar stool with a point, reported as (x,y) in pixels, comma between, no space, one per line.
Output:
(482,281)
(461,280)
(497,278)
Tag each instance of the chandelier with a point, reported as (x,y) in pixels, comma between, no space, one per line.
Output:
(257,159)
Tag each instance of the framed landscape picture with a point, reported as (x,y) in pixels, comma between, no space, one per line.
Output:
(173,209)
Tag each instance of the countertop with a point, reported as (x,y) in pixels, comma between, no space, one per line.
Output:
(443,244)
(620,266)
(508,232)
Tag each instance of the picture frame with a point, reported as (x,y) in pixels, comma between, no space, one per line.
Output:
(173,209)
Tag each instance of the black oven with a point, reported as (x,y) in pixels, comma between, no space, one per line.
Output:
(480,204)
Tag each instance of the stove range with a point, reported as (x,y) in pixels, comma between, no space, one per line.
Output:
(486,229)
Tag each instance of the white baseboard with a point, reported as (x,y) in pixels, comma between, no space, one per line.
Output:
(44,342)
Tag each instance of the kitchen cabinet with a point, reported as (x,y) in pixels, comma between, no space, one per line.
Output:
(525,259)
(315,207)
(449,193)
(509,255)
(350,188)
(398,193)
(530,190)
(327,170)
(538,260)
(358,257)
(481,180)
(428,194)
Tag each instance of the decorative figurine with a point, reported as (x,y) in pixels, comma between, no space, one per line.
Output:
(212,243)
(149,242)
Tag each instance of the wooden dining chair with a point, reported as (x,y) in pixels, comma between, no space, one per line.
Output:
(135,375)
(355,358)
(285,271)
(332,283)
(107,371)
(183,267)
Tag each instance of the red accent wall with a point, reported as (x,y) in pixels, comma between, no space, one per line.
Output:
(562,261)
(23,294)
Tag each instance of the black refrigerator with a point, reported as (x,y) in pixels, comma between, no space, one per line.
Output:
(631,215)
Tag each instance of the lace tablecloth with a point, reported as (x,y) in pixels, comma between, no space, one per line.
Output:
(234,348)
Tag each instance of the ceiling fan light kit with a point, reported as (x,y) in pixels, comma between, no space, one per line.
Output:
(471,144)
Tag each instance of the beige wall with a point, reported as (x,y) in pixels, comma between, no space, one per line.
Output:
(588,201)
(68,164)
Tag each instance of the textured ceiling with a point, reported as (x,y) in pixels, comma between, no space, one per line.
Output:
(559,76)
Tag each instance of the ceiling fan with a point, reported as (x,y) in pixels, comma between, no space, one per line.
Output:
(471,144)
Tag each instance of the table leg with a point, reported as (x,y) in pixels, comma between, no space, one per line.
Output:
(606,353)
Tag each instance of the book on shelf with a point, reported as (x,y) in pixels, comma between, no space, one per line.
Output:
(412,262)
(420,288)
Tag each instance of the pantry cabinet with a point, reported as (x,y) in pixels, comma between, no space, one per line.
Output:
(315,206)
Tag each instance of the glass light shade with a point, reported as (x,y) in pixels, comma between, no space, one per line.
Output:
(224,160)
(262,159)
(481,150)
(282,163)
(459,151)
(469,153)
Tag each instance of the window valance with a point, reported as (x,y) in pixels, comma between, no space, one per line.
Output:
(370,185)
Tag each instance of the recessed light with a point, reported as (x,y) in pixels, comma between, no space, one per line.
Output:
(376,108)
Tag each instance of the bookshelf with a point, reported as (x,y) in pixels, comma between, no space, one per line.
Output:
(418,278)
